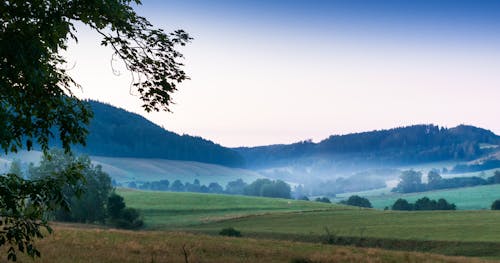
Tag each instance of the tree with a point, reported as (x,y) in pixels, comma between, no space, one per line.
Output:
(215,188)
(95,187)
(495,178)
(433,179)
(177,186)
(37,101)
(115,205)
(236,187)
(122,216)
(402,204)
(356,200)
(411,181)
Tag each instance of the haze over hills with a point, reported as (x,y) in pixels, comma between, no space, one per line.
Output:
(115,132)
(403,145)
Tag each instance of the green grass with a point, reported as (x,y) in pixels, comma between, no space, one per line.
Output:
(467,198)
(470,233)
(471,226)
(167,210)
(212,212)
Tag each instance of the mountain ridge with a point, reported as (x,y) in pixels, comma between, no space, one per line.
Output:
(115,132)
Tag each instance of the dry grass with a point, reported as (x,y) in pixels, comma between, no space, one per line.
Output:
(83,244)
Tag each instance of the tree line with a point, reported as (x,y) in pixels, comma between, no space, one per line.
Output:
(91,199)
(411,144)
(423,204)
(411,181)
(259,187)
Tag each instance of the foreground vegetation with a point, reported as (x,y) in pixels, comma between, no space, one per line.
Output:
(470,233)
(158,246)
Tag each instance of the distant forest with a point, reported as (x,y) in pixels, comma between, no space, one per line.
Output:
(412,144)
(115,132)
(118,133)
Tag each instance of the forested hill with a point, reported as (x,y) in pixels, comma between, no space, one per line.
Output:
(412,144)
(116,132)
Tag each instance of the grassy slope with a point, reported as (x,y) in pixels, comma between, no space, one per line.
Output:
(473,233)
(96,245)
(474,226)
(467,198)
(168,210)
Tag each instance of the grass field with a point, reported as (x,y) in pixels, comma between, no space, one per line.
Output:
(73,244)
(167,210)
(467,198)
(472,233)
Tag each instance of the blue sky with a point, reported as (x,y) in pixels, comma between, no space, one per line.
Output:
(266,72)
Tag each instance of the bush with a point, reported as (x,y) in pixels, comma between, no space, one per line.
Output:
(355,200)
(122,216)
(402,204)
(423,203)
(230,232)
(495,205)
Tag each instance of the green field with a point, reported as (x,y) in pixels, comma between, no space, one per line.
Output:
(167,210)
(471,233)
(466,198)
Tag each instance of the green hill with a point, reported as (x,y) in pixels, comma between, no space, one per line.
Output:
(115,132)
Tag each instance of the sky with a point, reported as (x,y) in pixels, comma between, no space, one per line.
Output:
(274,71)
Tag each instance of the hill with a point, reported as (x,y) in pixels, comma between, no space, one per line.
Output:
(404,145)
(115,132)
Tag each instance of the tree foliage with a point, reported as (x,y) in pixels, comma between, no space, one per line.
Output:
(268,188)
(356,200)
(37,101)
(423,204)
(495,205)
(95,186)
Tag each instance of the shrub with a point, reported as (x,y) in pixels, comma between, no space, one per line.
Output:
(230,232)
(356,200)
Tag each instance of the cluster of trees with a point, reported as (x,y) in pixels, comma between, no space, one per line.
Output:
(38,101)
(91,199)
(260,187)
(178,186)
(355,200)
(411,181)
(423,204)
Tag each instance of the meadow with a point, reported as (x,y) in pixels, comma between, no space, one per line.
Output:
(70,243)
(470,233)
(167,210)
(466,198)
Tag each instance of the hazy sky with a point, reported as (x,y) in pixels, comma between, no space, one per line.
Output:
(267,72)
